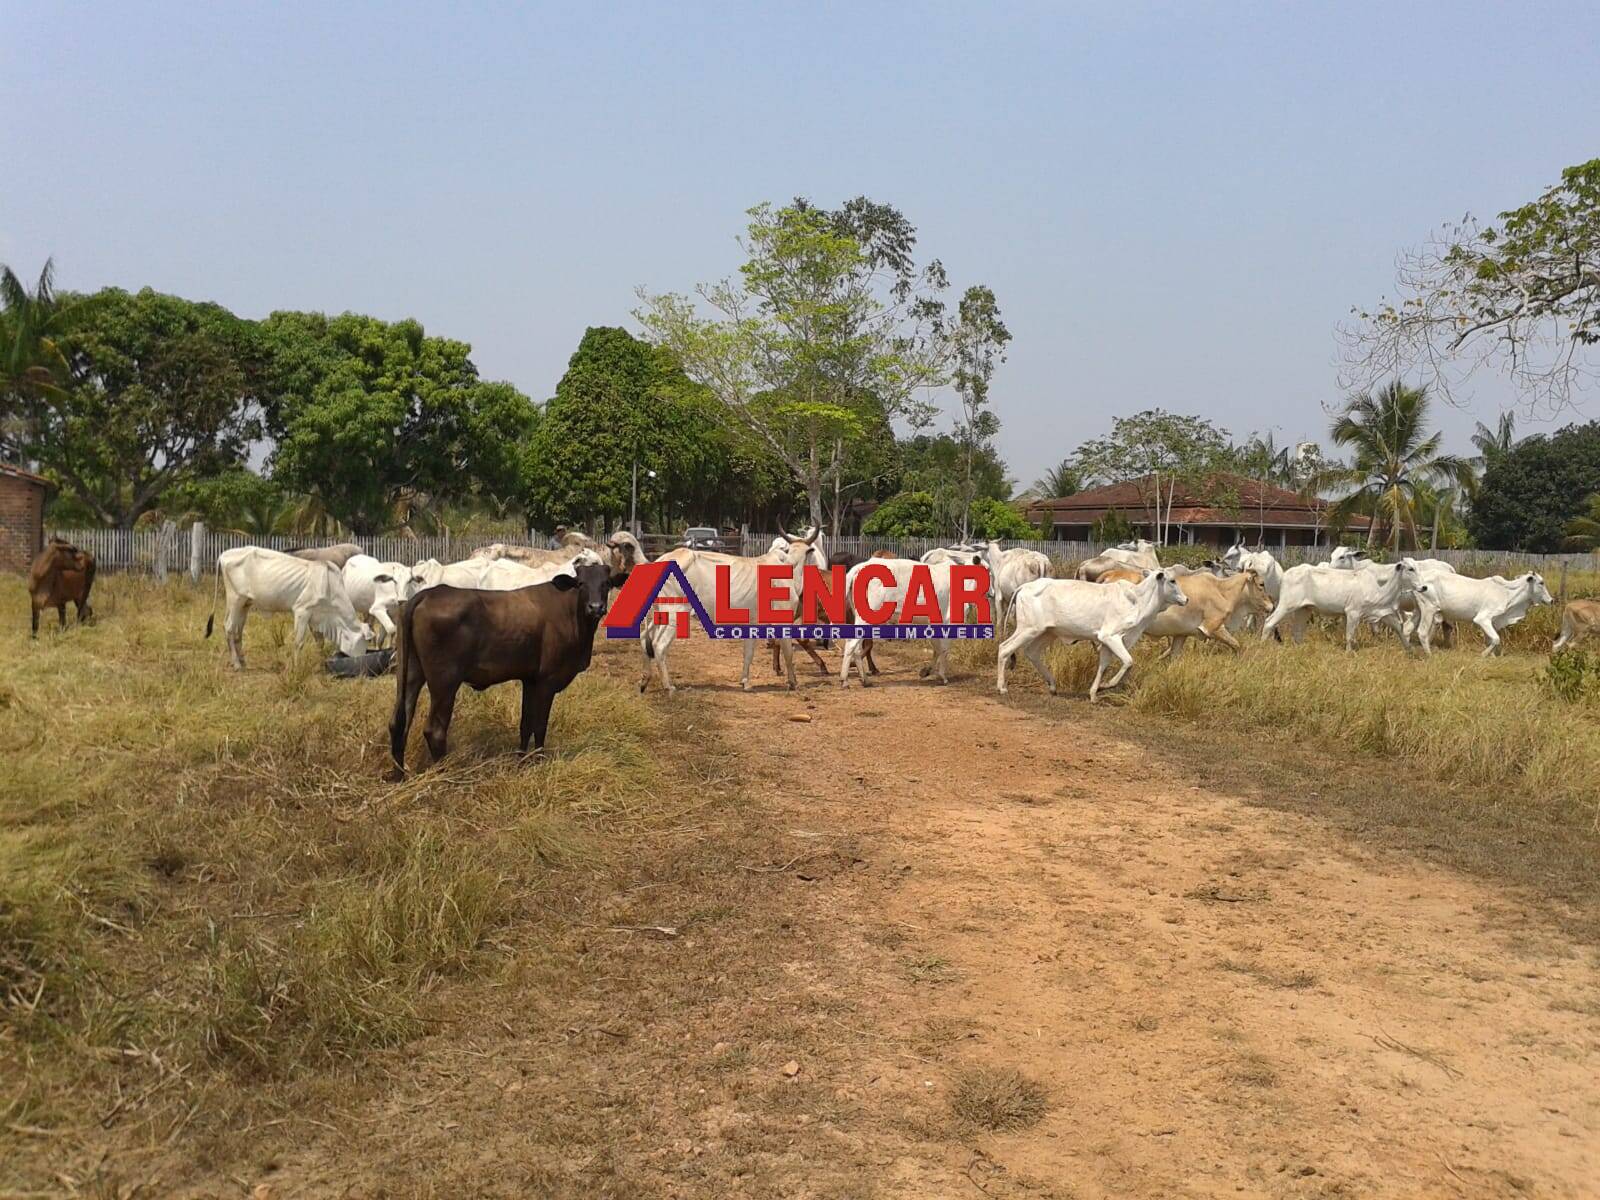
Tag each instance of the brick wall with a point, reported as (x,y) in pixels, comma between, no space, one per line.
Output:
(21,522)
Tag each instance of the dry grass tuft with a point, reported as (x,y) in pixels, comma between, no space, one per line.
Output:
(998,1098)
(207,867)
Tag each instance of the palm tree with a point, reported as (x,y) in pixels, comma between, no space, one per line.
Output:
(32,365)
(1060,480)
(1583,533)
(1393,456)
(1494,444)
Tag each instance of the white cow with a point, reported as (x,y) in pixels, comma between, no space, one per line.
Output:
(699,567)
(495,574)
(1262,563)
(1114,616)
(951,554)
(378,590)
(1373,595)
(1347,556)
(1009,570)
(255,577)
(1491,604)
(880,594)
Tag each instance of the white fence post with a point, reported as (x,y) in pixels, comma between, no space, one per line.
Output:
(197,541)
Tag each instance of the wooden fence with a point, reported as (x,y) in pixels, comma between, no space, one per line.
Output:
(194,551)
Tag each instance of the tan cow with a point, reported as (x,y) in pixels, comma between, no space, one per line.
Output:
(621,551)
(338,555)
(1216,608)
(1580,619)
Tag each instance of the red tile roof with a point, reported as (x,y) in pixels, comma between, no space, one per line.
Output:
(1250,503)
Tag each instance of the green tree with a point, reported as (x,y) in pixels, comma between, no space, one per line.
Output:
(1583,531)
(378,421)
(909,514)
(824,335)
(33,369)
(1522,294)
(1162,452)
(623,401)
(1060,480)
(1394,457)
(1526,499)
(1494,444)
(158,390)
(998,520)
(978,346)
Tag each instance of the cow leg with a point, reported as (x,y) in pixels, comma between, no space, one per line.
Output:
(386,632)
(941,660)
(536,702)
(777,659)
(1105,661)
(1490,634)
(1114,643)
(61,615)
(233,630)
(786,647)
(1220,633)
(1175,648)
(405,711)
(441,705)
(815,657)
(1034,652)
(749,657)
(1005,659)
(867,648)
(302,627)
(35,631)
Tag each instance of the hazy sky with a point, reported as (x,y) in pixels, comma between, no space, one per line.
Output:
(1175,203)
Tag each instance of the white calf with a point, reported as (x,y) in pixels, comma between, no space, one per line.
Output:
(378,590)
(1114,616)
(255,577)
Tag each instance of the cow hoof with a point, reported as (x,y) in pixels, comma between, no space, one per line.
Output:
(395,775)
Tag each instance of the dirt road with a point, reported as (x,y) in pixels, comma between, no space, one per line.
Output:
(1219,998)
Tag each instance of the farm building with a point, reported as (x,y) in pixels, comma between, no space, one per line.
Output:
(22,495)
(1225,509)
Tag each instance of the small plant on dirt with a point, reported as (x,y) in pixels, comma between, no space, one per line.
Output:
(1573,675)
(998,1098)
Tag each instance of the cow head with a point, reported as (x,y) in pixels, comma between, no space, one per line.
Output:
(624,551)
(1167,591)
(1536,587)
(1255,594)
(593,581)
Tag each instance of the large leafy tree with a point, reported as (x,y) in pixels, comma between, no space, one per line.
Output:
(829,331)
(1521,294)
(1160,451)
(1526,498)
(1394,458)
(157,390)
(624,403)
(377,419)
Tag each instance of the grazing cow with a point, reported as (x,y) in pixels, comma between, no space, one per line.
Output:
(880,594)
(337,555)
(61,573)
(378,590)
(1114,616)
(256,577)
(449,636)
(699,567)
(1141,555)
(961,553)
(1491,604)
(1373,595)
(1579,619)
(1217,609)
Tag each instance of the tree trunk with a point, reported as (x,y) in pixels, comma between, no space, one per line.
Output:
(814,499)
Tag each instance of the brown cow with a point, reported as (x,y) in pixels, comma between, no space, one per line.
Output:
(542,635)
(61,573)
(337,555)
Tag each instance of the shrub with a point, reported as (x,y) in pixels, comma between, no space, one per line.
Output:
(1573,675)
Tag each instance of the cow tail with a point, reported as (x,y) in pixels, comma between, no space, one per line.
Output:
(649,642)
(402,657)
(215,586)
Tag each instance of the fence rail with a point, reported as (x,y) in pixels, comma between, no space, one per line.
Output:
(159,551)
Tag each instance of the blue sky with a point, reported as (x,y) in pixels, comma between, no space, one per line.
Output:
(1175,203)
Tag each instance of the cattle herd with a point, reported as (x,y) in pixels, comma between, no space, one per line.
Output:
(516,613)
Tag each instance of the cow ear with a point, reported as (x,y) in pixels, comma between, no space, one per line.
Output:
(564,583)
(383,579)
(618,578)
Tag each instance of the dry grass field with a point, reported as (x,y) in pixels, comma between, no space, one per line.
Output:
(227,947)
